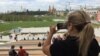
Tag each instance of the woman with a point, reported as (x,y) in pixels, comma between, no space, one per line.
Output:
(80,40)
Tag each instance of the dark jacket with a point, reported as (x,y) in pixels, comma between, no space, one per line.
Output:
(12,52)
(70,47)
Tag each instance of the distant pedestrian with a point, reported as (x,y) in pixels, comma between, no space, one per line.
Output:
(24,38)
(38,38)
(16,38)
(12,51)
(39,44)
(43,39)
(10,36)
(0,36)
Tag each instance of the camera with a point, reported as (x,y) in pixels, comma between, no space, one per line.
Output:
(61,26)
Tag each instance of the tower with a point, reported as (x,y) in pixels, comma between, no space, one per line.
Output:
(53,10)
(50,10)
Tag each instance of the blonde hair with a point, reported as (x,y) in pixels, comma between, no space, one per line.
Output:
(81,21)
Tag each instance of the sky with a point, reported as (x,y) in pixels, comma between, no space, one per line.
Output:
(20,5)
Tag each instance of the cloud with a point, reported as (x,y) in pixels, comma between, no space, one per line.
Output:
(12,5)
(47,1)
(17,5)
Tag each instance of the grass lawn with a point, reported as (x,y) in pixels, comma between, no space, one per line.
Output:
(11,25)
(26,24)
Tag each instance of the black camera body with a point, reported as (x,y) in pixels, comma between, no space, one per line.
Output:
(61,26)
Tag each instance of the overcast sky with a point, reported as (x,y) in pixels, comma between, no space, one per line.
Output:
(17,5)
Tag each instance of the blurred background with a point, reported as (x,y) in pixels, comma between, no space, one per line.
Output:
(22,21)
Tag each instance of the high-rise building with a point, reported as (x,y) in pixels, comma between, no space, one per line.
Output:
(49,10)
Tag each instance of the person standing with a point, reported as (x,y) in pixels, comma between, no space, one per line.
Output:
(16,38)
(10,36)
(0,36)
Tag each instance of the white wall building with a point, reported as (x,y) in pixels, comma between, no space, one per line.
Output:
(90,11)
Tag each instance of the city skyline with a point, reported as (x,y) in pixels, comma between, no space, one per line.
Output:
(18,5)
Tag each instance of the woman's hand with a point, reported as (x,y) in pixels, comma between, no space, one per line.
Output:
(47,43)
(53,29)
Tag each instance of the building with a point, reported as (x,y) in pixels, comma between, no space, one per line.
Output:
(92,12)
(52,10)
(60,13)
(38,30)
